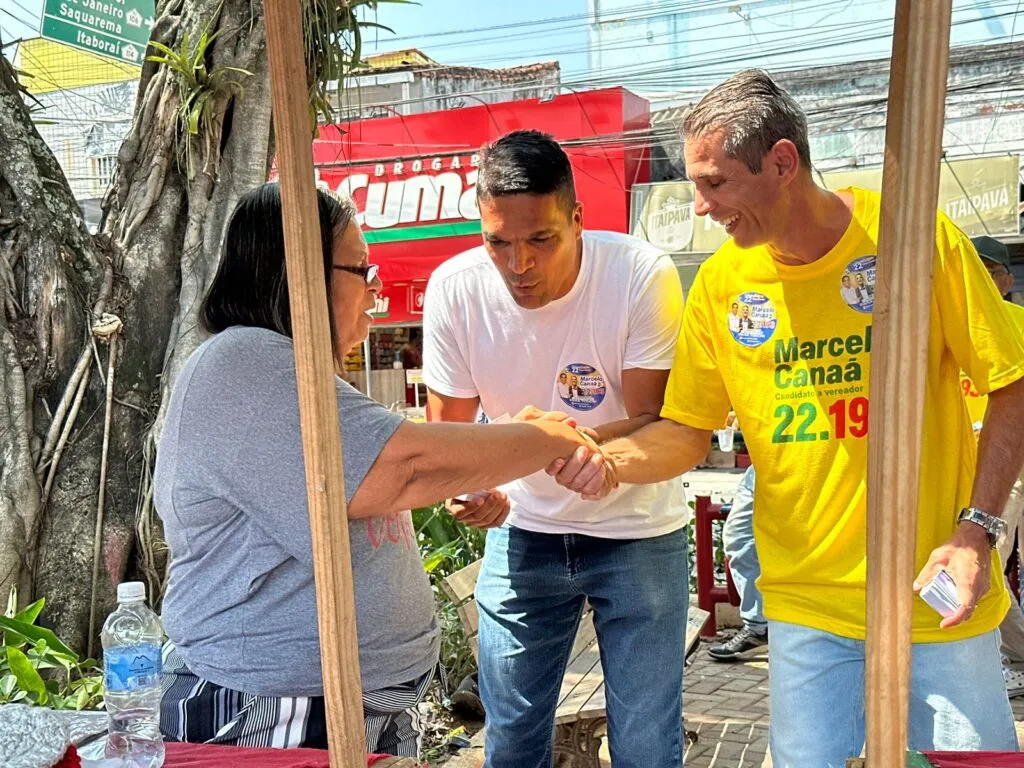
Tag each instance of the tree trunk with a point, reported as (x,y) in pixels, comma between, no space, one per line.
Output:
(157,252)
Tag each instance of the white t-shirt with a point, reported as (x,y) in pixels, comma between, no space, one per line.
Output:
(624,311)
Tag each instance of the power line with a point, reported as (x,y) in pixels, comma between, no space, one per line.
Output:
(645,73)
(711,68)
(31,13)
(30,25)
(995,117)
(685,10)
(628,44)
(621,14)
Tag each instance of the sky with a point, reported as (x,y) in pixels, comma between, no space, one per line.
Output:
(653,52)
(429,25)
(558,26)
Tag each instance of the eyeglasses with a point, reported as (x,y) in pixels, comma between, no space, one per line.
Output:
(368,273)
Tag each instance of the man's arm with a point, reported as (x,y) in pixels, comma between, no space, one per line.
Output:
(1000,449)
(967,555)
(643,391)
(660,451)
(445,408)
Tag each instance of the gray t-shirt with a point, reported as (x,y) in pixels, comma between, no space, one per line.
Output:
(231,491)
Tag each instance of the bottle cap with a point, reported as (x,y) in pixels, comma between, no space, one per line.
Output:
(130,591)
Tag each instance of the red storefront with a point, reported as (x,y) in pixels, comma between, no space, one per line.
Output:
(413,178)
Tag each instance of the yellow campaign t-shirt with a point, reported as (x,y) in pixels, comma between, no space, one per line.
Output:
(789,347)
(977,403)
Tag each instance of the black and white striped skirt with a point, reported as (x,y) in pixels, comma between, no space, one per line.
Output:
(200,712)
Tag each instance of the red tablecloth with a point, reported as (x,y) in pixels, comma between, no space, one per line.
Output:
(975,759)
(206,756)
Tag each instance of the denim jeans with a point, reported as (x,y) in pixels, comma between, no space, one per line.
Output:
(957,697)
(530,595)
(738,541)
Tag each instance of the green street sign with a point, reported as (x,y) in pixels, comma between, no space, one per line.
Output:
(118,29)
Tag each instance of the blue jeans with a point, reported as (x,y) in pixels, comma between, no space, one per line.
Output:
(738,541)
(530,595)
(957,697)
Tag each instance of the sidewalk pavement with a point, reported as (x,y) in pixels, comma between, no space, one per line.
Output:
(727,705)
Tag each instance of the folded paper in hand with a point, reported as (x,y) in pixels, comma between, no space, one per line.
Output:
(940,594)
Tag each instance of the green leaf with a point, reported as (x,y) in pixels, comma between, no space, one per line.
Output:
(28,678)
(375,25)
(31,613)
(32,634)
(7,685)
(193,116)
(432,561)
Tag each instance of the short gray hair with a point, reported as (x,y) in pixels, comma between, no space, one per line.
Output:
(755,114)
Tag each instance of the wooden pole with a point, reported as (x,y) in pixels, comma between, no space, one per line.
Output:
(314,368)
(906,248)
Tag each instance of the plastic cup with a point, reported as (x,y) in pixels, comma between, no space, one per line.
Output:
(725,439)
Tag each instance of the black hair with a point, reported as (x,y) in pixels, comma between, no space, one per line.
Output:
(526,163)
(251,284)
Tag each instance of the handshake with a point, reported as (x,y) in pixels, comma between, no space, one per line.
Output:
(586,471)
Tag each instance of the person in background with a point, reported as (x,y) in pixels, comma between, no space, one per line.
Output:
(996,258)
(738,540)
(412,355)
(242,665)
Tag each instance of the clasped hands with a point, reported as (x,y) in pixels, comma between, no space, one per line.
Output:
(586,471)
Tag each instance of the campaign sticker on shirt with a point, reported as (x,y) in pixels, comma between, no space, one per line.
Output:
(858,284)
(581,386)
(752,319)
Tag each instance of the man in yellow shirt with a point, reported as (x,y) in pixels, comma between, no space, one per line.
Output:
(798,377)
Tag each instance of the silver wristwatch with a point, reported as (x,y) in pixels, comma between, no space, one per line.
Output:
(994,526)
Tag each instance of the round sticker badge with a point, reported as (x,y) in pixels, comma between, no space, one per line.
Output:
(858,284)
(752,319)
(581,386)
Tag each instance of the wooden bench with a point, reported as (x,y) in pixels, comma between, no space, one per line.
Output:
(580,721)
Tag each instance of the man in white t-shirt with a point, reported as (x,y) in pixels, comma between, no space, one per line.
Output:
(544,314)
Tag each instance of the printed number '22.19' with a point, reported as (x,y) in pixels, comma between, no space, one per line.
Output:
(848,417)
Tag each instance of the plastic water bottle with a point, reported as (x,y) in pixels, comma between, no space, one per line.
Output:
(132,639)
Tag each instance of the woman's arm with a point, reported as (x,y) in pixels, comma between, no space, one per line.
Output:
(424,463)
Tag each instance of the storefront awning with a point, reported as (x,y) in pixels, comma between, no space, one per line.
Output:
(413,178)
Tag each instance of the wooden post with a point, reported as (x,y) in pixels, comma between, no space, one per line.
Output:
(314,367)
(906,249)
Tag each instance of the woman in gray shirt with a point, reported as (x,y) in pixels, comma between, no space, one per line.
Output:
(242,663)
